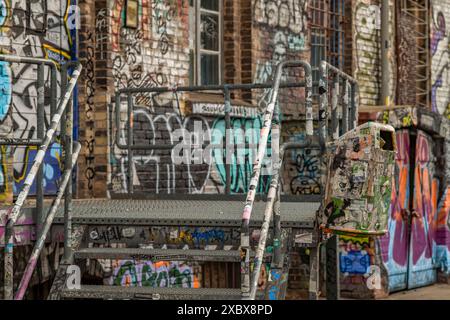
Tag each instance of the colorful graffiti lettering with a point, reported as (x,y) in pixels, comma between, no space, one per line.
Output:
(161,274)
(440,58)
(354,257)
(5,90)
(429,230)
(18,84)
(246,138)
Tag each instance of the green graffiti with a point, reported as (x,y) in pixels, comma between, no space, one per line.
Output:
(246,132)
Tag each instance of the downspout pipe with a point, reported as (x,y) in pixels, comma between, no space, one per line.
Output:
(385,98)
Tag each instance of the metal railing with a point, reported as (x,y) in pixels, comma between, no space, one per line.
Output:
(271,122)
(350,102)
(339,126)
(225,89)
(59,113)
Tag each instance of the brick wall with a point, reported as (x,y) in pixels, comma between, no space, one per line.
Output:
(30,30)
(367,51)
(440,74)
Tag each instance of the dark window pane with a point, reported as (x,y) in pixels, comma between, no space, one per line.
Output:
(209,28)
(210,5)
(209,69)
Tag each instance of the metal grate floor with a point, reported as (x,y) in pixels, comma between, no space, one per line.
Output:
(183,212)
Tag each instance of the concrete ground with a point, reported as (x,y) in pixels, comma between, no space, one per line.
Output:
(435,292)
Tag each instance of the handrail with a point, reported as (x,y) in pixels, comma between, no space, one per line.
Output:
(350,106)
(37,163)
(40,62)
(271,121)
(226,88)
(350,102)
(46,228)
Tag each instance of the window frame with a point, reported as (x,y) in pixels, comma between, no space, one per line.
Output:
(332,28)
(198,51)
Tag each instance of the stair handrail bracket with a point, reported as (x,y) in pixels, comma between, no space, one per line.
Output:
(37,163)
(271,122)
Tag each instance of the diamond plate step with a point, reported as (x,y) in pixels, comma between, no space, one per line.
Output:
(139,293)
(159,254)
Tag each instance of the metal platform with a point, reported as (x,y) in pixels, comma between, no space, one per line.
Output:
(158,254)
(148,293)
(183,212)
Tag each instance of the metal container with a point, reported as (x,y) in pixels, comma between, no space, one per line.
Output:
(359,184)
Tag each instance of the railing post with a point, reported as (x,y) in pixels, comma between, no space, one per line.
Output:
(332,268)
(40,126)
(40,242)
(130,143)
(334,108)
(228,140)
(355,105)
(68,148)
(53,91)
(8,277)
(345,101)
(30,179)
(277,261)
(323,105)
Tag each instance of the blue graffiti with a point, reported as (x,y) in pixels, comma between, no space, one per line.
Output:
(206,236)
(354,262)
(274,289)
(5,90)
(52,169)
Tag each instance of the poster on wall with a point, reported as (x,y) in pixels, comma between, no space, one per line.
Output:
(131,20)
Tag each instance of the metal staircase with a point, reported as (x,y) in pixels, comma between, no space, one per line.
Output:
(253,223)
(221,212)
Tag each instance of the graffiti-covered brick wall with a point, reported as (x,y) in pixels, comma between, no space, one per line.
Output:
(40,29)
(156,54)
(367,51)
(93,86)
(440,56)
(280,32)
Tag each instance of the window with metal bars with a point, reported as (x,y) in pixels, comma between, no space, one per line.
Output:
(327,23)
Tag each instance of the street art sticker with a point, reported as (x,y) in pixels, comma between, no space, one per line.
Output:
(359,184)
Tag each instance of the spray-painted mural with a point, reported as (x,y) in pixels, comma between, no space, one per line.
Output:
(281,31)
(161,274)
(158,171)
(412,251)
(367,51)
(440,57)
(37,29)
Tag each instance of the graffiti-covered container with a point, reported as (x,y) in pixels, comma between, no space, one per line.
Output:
(359,184)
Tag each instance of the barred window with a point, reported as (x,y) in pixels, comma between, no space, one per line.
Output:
(327,25)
